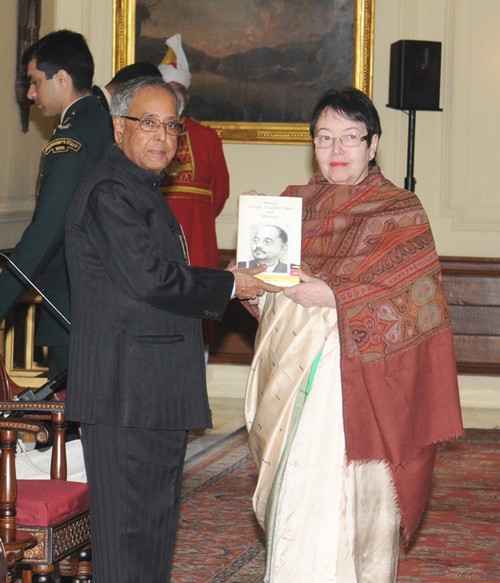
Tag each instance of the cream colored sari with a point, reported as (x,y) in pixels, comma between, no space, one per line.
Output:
(325,521)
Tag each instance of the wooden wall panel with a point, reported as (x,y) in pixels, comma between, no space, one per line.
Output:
(473,290)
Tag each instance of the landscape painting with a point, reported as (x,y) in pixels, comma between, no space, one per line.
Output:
(262,62)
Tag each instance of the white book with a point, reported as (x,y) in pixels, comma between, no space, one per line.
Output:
(270,232)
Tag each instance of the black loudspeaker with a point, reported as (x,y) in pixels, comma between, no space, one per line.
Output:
(415,74)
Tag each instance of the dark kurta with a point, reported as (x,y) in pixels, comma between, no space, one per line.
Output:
(136,348)
(137,371)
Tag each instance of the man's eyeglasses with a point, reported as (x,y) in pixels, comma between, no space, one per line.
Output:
(151,124)
(347,140)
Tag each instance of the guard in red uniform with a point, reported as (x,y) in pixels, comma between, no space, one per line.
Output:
(196,182)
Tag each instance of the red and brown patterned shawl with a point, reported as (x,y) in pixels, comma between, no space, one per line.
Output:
(373,245)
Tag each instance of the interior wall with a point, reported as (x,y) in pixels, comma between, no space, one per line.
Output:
(20,156)
(20,153)
(455,180)
(455,177)
(454,168)
(454,149)
(94,19)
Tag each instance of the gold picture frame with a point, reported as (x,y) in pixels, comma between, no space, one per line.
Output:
(124,26)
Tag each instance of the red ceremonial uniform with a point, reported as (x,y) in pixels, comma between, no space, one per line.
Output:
(196,185)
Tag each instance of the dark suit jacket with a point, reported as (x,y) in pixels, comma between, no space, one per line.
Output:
(136,347)
(76,146)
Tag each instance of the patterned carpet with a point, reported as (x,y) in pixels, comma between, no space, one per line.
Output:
(459,538)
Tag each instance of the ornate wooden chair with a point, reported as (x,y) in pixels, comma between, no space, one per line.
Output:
(45,522)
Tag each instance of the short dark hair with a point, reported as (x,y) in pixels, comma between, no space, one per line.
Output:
(66,50)
(352,103)
(139,69)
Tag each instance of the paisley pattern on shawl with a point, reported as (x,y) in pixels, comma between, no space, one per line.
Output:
(373,245)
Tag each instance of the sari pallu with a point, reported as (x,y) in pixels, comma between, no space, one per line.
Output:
(373,245)
(289,343)
(324,519)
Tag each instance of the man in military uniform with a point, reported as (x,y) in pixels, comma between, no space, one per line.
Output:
(60,69)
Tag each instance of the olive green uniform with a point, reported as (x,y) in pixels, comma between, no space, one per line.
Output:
(76,146)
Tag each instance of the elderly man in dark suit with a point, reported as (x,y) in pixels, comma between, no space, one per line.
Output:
(137,374)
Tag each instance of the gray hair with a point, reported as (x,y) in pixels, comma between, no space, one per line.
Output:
(122,97)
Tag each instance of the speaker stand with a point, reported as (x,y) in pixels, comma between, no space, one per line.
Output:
(410,179)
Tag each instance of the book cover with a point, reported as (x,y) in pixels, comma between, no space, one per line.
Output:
(270,232)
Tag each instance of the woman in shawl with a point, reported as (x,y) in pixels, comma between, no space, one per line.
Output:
(353,382)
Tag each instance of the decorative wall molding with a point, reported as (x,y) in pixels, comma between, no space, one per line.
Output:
(470,144)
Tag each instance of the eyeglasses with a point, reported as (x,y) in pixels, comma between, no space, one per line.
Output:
(151,124)
(347,140)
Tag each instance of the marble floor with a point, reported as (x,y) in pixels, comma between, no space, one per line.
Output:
(228,411)
(227,417)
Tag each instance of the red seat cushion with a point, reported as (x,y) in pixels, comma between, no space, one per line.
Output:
(50,502)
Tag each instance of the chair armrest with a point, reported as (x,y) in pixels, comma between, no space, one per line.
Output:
(43,407)
(37,428)
(10,419)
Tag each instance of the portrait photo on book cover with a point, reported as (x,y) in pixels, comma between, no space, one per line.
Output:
(268,246)
(269,233)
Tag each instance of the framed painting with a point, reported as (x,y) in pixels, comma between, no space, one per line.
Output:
(258,66)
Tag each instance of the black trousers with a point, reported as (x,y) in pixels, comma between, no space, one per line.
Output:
(134,478)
